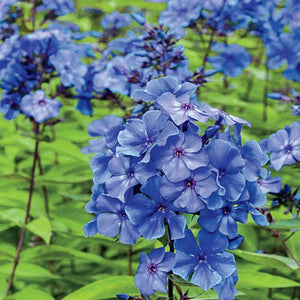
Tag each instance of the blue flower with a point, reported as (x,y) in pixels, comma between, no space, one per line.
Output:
(179,15)
(68,65)
(140,136)
(208,261)
(224,219)
(112,220)
(228,162)
(126,173)
(157,87)
(150,212)
(60,7)
(181,155)
(283,50)
(226,289)
(115,20)
(180,109)
(187,194)
(151,274)
(231,61)
(284,146)
(38,106)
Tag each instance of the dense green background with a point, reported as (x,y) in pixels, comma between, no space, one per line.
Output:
(57,261)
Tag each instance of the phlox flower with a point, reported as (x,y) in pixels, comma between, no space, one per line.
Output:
(38,106)
(150,212)
(208,261)
(151,274)
(140,136)
(229,164)
(113,220)
(182,154)
(231,61)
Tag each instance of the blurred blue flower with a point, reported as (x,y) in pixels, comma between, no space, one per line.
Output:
(115,20)
(232,59)
(60,7)
(38,106)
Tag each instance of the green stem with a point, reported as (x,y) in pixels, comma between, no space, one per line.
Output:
(130,252)
(21,239)
(170,282)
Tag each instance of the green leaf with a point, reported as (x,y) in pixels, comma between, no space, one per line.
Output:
(14,215)
(255,279)
(267,260)
(105,288)
(56,252)
(30,293)
(3,286)
(42,228)
(286,224)
(29,272)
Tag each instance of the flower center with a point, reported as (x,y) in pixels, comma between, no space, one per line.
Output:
(190,183)
(202,258)
(178,152)
(130,173)
(162,208)
(288,149)
(123,214)
(226,210)
(42,102)
(187,106)
(152,268)
(222,172)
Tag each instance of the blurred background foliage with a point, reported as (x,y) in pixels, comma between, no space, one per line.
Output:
(57,260)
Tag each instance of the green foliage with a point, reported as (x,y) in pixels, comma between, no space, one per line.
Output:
(57,261)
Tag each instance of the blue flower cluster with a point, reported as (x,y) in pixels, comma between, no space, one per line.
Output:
(267,19)
(284,146)
(153,169)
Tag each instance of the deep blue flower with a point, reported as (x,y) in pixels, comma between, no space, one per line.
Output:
(150,212)
(284,146)
(126,173)
(208,261)
(270,184)
(157,87)
(60,7)
(226,289)
(38,106)
(69,67)
(231,61)
(181,155)
(221,116)
(99,166)
(140,136)
(256,199)
(179,15)
(112,220)
(151,274)
(228,162)
(254,158)
(187,193)
(115,20)
(225,218)
(181,109)
(281,51)
(107,129)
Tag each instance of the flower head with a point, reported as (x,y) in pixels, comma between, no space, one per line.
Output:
(38,106)
(151,274)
